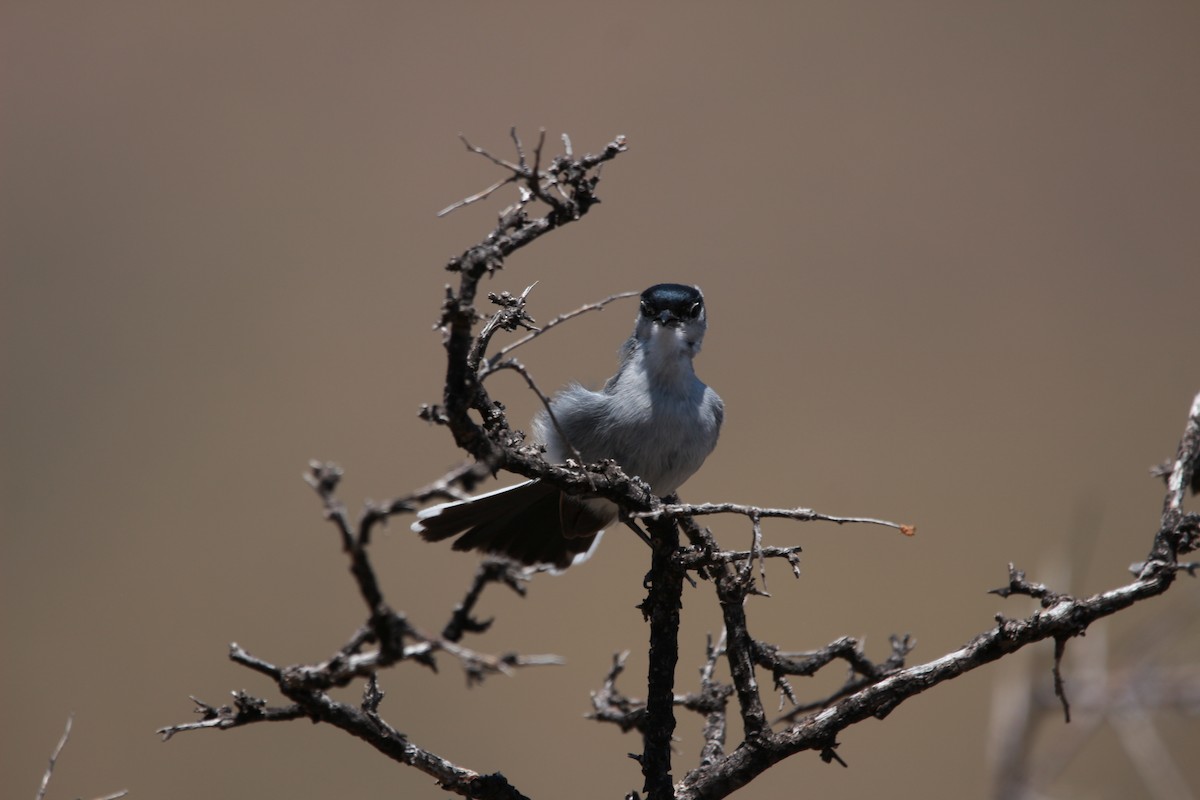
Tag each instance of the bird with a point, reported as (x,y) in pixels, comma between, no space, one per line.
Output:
(654,417)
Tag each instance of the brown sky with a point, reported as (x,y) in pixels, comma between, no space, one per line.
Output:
(950,253)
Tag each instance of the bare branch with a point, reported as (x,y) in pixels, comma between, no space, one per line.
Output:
(715,720)
(49,773)
(1017,584)
(62,742)
(696,559)
(610,705)
(1179,532)
(463,388)
(1060,689)
(1120,687)
(661,610)
(519,368)
(863,670)
(798,514)
(245,710)
(878,699)
(551,194)
(511,316)
(483,195)
(491,570)
(396,639)
(732,587)
(367,726)
(1060,618)
(561,318)
(1187,462)
(517,170)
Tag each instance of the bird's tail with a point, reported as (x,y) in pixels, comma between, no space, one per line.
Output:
(532,522)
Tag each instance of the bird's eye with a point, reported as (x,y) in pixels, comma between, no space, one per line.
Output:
(647,311)
(694,311)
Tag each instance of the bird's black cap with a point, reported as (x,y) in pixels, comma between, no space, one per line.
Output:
(680,300)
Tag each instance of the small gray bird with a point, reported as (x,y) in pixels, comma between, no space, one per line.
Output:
(655,418)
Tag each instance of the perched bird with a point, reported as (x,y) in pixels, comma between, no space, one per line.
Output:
(655,418)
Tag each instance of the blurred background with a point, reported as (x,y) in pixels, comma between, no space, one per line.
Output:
(950,254)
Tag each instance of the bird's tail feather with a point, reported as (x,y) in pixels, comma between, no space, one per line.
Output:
(443,521)
(532,522)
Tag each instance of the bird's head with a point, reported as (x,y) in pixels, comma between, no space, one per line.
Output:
(672,317)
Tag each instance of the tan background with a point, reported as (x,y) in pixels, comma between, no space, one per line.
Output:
(950,252)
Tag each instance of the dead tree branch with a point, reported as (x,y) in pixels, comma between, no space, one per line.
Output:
(553,193)
(395,639)
(1060,618)
(567,188)
(661,610)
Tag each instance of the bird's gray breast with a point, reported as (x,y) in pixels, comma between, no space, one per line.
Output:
(662,436)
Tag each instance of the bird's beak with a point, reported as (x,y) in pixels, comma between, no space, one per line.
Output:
(667,318)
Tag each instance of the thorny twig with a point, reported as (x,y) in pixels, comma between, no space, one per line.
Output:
(520,369)
(491,570)
(756,512)
(609,704)
(599,305)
